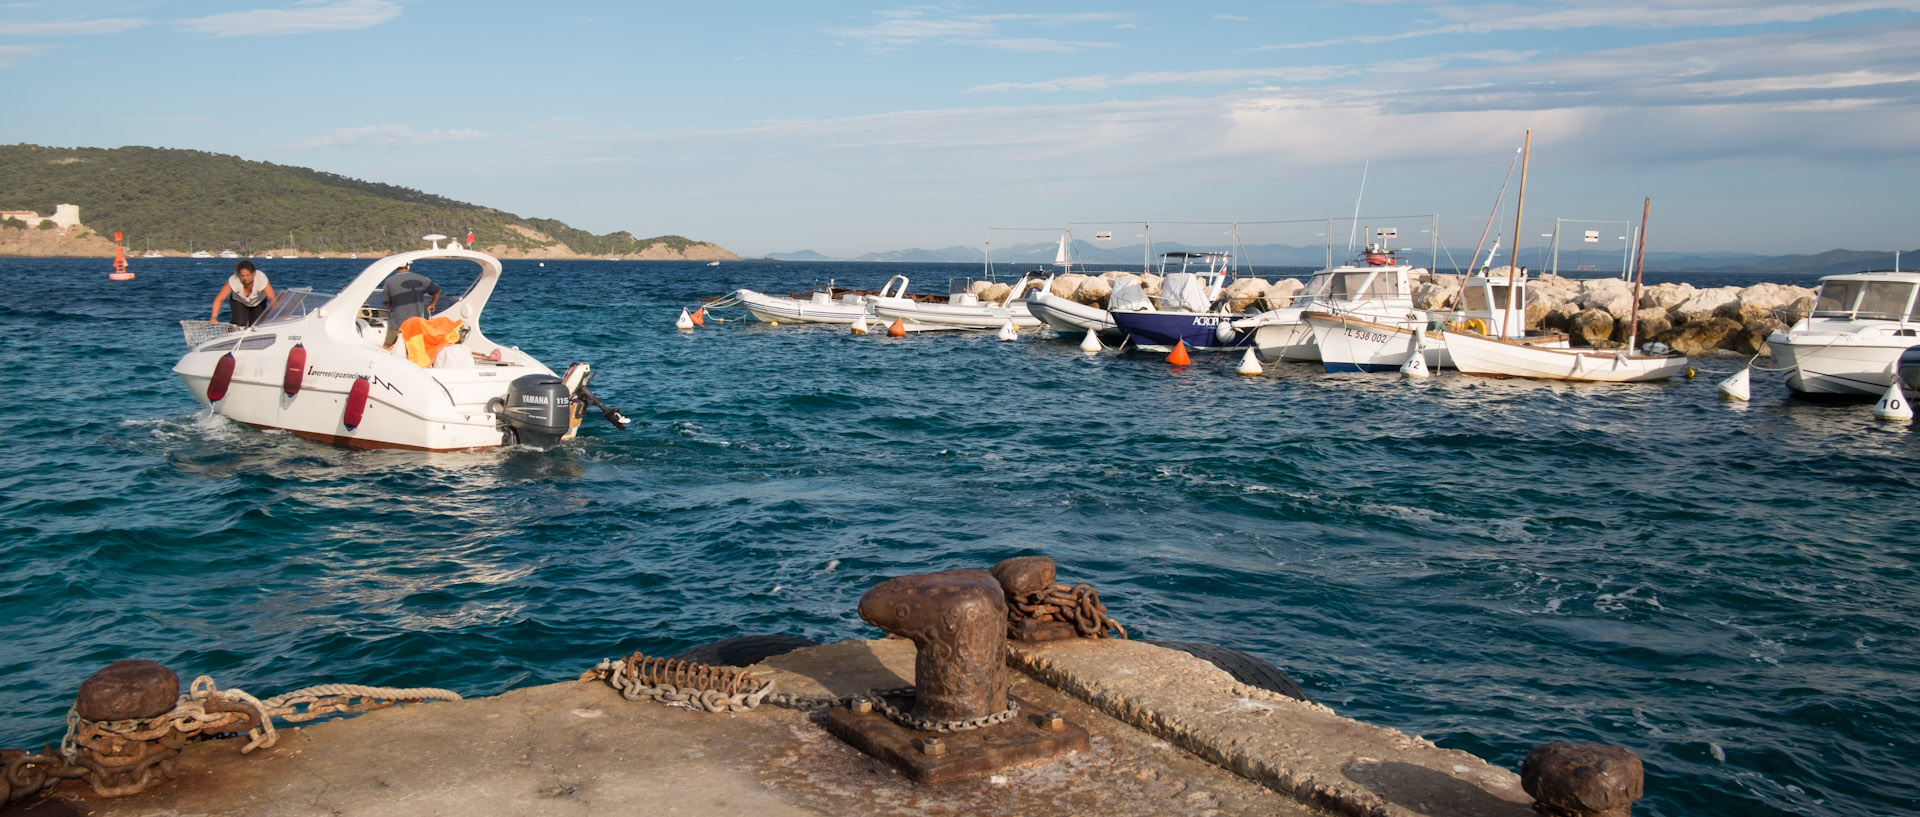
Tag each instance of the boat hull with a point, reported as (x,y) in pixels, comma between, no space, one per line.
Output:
(1161,331)
(1283,340)
(1070,317)
(1487,357)
(1821,363)
(1349,344)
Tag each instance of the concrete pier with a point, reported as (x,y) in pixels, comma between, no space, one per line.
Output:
(1171,734)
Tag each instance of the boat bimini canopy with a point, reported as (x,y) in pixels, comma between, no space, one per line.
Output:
(341,312)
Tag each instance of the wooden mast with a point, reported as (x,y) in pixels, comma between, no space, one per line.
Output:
(1519,205)
(1639,271)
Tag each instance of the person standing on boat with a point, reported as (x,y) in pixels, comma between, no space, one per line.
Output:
(408,294)
(250,292)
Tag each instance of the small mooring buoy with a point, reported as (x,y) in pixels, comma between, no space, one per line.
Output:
(1007,332)
(1737,387)
(1250,364)
(860,325)
(700,316)
(1091,343)
(898,329)
(1416,367)
(1893,406)
(685,323)
(1179,355)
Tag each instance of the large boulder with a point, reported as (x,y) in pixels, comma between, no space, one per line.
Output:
(1763,303)
(1610,295)
(1591,327)
(1094,292)
(1150,284)
(1704,304)
(1655,324)
(994,292)
(979,287)
(1064,286)
(1243,292)
(1553,288)
(1438,292)
(1282,293)
(1703,336)
(1666,296)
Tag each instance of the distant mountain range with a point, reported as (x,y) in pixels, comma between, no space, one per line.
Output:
(1572,261)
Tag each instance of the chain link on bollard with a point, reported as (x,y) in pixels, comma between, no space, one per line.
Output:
(1078,605)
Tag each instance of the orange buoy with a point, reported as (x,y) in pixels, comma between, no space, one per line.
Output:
(1179,356)
(898,329)
(700,316)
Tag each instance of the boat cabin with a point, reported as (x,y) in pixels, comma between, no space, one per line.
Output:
(1488,296)
(1869,296)
(1378,276)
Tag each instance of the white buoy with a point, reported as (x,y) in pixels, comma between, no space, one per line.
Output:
(685,324)
(1737,387)
(1416,367)
(860,325)
(1091,343)
(1007,332)
(1893,405)
(1250,364)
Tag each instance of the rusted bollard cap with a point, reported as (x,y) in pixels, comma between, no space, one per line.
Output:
(1023,575)
(1583,779)
(128,689)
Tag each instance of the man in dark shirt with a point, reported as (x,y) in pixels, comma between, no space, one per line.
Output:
(407,295)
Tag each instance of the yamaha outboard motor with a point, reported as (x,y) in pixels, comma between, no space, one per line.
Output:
(538,410)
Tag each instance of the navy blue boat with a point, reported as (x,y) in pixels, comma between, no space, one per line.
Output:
(1200,331)
(1185,311)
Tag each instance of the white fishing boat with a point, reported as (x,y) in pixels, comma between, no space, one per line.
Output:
(314,366)
(1493,304)
(819,306)
(1852,340)
(224,254)
(1501,357)
(1375,286)
(962,309)
(151,254)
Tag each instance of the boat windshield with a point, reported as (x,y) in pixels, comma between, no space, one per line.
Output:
(1477,301)
(959,286)
(294,304)
(1341,286)
(1885,300)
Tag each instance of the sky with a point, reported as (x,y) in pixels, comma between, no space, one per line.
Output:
(1754,126)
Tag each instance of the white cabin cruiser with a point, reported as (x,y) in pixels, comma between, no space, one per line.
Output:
(820,306)
(314,366)
(1379,286)
(961,310)
(1851,342)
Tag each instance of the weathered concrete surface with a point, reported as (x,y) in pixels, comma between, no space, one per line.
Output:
(578,748)
(1296,747)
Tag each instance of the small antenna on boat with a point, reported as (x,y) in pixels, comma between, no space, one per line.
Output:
(434,239)
(1354,233)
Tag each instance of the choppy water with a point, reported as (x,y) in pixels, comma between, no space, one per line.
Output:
(1726,589)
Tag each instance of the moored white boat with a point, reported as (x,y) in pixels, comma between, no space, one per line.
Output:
(1496,357)
(1379,287)
(961,310)
(1067,316)
(1852,340)
(820,306)
(314,366)
(1493,303)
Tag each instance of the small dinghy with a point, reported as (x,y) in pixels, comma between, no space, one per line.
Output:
(820,306)
(961,310)
(315,366)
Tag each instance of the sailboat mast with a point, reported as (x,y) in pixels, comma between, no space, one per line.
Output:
(1639,273)
(1519,205)
(1495,212)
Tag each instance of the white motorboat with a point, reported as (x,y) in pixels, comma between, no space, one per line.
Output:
(1378,286)
(1851,342)
(961,310)
(820,306)
(1067,316)
(226,254)
(1188,310)
(314,366)
(1493,304)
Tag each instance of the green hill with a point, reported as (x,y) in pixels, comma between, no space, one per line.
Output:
(181,199)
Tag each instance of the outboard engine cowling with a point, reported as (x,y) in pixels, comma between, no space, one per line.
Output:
(538,410)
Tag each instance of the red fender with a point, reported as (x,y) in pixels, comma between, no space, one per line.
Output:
(356,403)
(222,377)
(296,368)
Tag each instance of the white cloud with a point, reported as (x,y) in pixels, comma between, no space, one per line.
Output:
(113,25)
(11,55)
(1656,14)
(1212,76)
(386,137)
(304,18)
(898,29)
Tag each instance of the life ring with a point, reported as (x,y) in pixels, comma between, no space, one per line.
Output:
(1475,325)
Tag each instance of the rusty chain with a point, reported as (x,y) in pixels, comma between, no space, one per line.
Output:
(705,687)
(123,757)
(1078,605)
(911,721)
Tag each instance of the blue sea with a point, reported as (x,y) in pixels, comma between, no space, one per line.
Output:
(1727,589)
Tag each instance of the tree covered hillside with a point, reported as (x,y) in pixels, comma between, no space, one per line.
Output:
(189,199)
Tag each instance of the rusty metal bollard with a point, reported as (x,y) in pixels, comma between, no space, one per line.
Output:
(958,621)
(1024,575)
(1583,779)
(128,690)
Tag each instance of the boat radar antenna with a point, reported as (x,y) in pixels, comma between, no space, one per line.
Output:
(434,239)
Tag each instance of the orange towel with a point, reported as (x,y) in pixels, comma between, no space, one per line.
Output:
(425,338)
